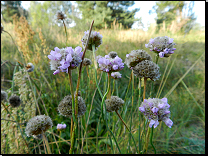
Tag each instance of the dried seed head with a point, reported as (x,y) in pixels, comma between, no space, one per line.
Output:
(135,57)
(87,62)
(65,106)
(38,124)
(60,15)
(3,95)
(147,69)
(30,67)
(95,39)
(114,103)
(14,101)
(112,54)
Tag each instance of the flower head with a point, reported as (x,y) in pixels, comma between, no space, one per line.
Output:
(61,18)
(113,54)
(87,62)
(63,58)
(65,106)
(14,101)
(38,124)
(156,110)
(162,45)
(30,67)
(136,56)
(147,69)
(116,75)
(61,126)
(114,103)
(39,136)
(4,95)
(108,64)
(95,39)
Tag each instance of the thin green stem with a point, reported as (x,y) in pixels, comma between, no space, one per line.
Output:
(151,136)
(65,31)
(95,68)
(139,114)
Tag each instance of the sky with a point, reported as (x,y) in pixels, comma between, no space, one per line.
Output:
(145,6)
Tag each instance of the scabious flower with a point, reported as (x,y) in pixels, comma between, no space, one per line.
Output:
(14,101)
(37,124)
(156,110)
(162,45)
(63,58)
(61,126)
(95,38)
(147,69)
(108,64)
(86,62)
(65,106)
(114,103)
(30,67)
(4,95)
(136,56)
(116,75)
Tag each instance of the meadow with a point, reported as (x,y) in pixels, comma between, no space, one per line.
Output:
(182,82)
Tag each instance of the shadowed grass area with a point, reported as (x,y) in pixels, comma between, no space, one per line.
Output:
(187,99)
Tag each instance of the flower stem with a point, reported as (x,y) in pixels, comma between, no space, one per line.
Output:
(151,136)
(145,82)
(76,95)
(126,128)
(46,143)
(65,31)
(95,68)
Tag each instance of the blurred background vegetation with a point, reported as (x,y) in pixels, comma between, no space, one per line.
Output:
(36,33)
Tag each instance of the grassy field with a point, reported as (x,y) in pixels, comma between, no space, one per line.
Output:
(182,81)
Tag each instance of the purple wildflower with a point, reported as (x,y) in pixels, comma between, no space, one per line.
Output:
(156,110)
(61,126)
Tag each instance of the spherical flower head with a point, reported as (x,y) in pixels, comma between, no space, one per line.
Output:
(38,124)
(116,75)
(14,101)
(114,103)
(112,54)
(147,69)
(60,15)
(108,64)
(4,95)
(156,110)
(62,59)
(65,106)
(95,39)
(61,126)
(136,56)
(87,62)
(30,67)
(161,45)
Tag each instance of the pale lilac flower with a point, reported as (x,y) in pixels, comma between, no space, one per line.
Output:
(116,75)
(161,45)
(62,59)
(156,110)
(61,126)
(108,64)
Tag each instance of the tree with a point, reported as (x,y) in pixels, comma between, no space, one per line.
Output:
(168,11)
(106,12)
(9,8)
(44,14)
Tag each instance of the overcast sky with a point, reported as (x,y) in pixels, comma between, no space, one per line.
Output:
(145,6)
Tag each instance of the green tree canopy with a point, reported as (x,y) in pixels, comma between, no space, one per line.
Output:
(105,12)
(9,8)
